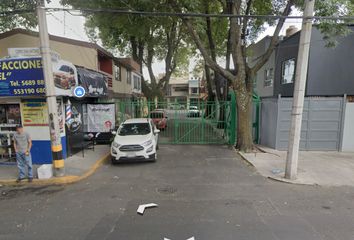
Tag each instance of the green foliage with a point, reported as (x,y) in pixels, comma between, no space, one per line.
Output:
(114,30)
(330,29)
(117,31)
(10,21)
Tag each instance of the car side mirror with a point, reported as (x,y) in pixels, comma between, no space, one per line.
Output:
(114,132)
(156,131)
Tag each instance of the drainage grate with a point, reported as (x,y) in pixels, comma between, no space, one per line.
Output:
(167,190)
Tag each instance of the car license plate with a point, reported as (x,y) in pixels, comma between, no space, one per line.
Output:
(131,155)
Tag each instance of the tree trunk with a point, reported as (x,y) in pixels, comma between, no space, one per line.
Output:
(211,96)
(208,81)
(244,121)
(140,59)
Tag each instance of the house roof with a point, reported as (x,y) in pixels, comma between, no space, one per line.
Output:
(57,39)
(178,80)
(290,37)
(128,63)
(117,61)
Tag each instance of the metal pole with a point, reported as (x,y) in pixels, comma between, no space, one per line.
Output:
(56,147)
(299,92)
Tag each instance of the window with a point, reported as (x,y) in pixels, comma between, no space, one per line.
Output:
(129,77)
(181,89)
(117,73)
(10,114)
(268,77)
(134,129)
(157,115)
(136,82)
(288,71)
(194,90)
(65,68)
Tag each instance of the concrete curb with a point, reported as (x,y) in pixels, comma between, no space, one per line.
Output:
(245,159)
(273,178)
(288,181)
(60,180)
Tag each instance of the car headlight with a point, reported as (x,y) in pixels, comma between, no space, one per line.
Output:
(149,149)
(115,145)
(147,143)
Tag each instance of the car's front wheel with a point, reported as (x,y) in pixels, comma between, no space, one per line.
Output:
(113,160)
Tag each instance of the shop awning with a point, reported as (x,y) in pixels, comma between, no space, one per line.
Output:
(95,83)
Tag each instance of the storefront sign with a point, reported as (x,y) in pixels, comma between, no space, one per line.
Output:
(24,77)
(101,117)
(34,113)
(30,52)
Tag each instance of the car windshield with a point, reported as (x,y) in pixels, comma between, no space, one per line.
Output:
(134,129)
(156,115)
(193,108)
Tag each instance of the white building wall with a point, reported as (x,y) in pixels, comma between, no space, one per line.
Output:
(175,93)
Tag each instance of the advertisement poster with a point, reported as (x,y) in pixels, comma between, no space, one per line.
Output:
(101,117)
(24,77)
(34,113)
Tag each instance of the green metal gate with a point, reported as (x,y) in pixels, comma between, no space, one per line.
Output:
(199,122)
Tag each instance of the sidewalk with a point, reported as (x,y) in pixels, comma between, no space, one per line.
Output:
(76,168)
(315,168)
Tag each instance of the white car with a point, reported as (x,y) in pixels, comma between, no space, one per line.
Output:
(135,140)
(193,111)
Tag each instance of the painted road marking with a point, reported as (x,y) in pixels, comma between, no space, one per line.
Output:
(192,238)
(142,207)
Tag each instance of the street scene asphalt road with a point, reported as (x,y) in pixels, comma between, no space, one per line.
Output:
(205,192)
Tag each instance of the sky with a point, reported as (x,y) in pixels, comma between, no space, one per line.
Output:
(65,25)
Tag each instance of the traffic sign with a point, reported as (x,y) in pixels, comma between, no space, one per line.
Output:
(79,91)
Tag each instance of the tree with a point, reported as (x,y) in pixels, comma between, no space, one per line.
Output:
(18,17)
(240,33)
(146,39)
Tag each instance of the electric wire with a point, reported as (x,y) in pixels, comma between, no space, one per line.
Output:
(174,14)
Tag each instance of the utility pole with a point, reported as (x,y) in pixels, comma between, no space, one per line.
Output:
(56,147)
(299,91)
